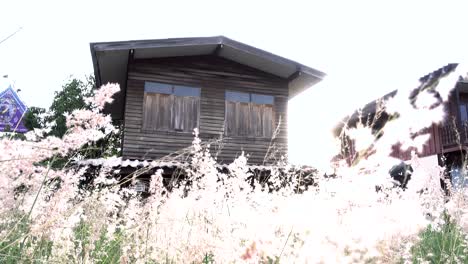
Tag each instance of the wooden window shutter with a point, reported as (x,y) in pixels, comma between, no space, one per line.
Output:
(262,120)
(149,114)
(179,111)
(230,119)
(267,120)
(237,117)
(249,114)
(262,106)
(157,111)
(157,106)
(170,107)
(165,111)
(243,119)
(186,108)
(186,113)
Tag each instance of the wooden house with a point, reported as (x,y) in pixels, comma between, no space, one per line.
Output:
(448,142)
(226,89)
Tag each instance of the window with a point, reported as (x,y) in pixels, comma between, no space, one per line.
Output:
(170,107)
(463,113)
(249,114)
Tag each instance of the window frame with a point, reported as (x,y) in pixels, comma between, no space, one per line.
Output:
(174,91)
(463,113)
(251,99)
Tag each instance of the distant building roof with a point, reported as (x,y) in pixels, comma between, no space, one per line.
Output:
(12,111)
(110,61)
(370,108)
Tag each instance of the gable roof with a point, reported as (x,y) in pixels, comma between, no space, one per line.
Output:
(110,61)
(12,110)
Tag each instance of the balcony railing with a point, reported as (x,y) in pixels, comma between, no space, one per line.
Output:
(453,134)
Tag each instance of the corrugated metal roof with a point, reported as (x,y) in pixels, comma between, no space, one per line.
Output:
(118,162)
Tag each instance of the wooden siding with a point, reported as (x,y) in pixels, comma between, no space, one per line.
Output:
(433,146)
(454,131)
(451,134)
(214,76)
(444,138)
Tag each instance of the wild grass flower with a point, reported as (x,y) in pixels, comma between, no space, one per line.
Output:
(50,214)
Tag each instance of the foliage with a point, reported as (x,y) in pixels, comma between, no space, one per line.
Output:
(53,122)
(214,215)
(29,181)
(71,97)
(35,118)
(447,244)
(11,135)
(104,250)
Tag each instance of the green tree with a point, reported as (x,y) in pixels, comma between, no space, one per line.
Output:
(34,118)
(70,98)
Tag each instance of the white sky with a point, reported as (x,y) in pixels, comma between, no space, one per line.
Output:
(367,48)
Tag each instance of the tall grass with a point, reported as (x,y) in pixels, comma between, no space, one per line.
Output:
(447,244)
(51,214)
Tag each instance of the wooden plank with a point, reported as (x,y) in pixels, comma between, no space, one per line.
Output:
(267,121)
(187,137)
(438,145)
(249,87)
(243,119)
(216,119)
(211,68)
(186,113)
(179,113)
(230,122)
(257,120)
(148,113)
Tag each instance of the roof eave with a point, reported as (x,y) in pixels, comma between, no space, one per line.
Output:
(95,65)
(151,43)
(305,78)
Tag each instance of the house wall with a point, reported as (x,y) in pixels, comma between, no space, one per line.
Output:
(432,146)
(443,137)
(452,130)
(214,76)
(451,106)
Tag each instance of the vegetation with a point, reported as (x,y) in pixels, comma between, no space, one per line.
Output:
(52,122)
(71,97)
(35,118)
(213,215)
(447,244)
